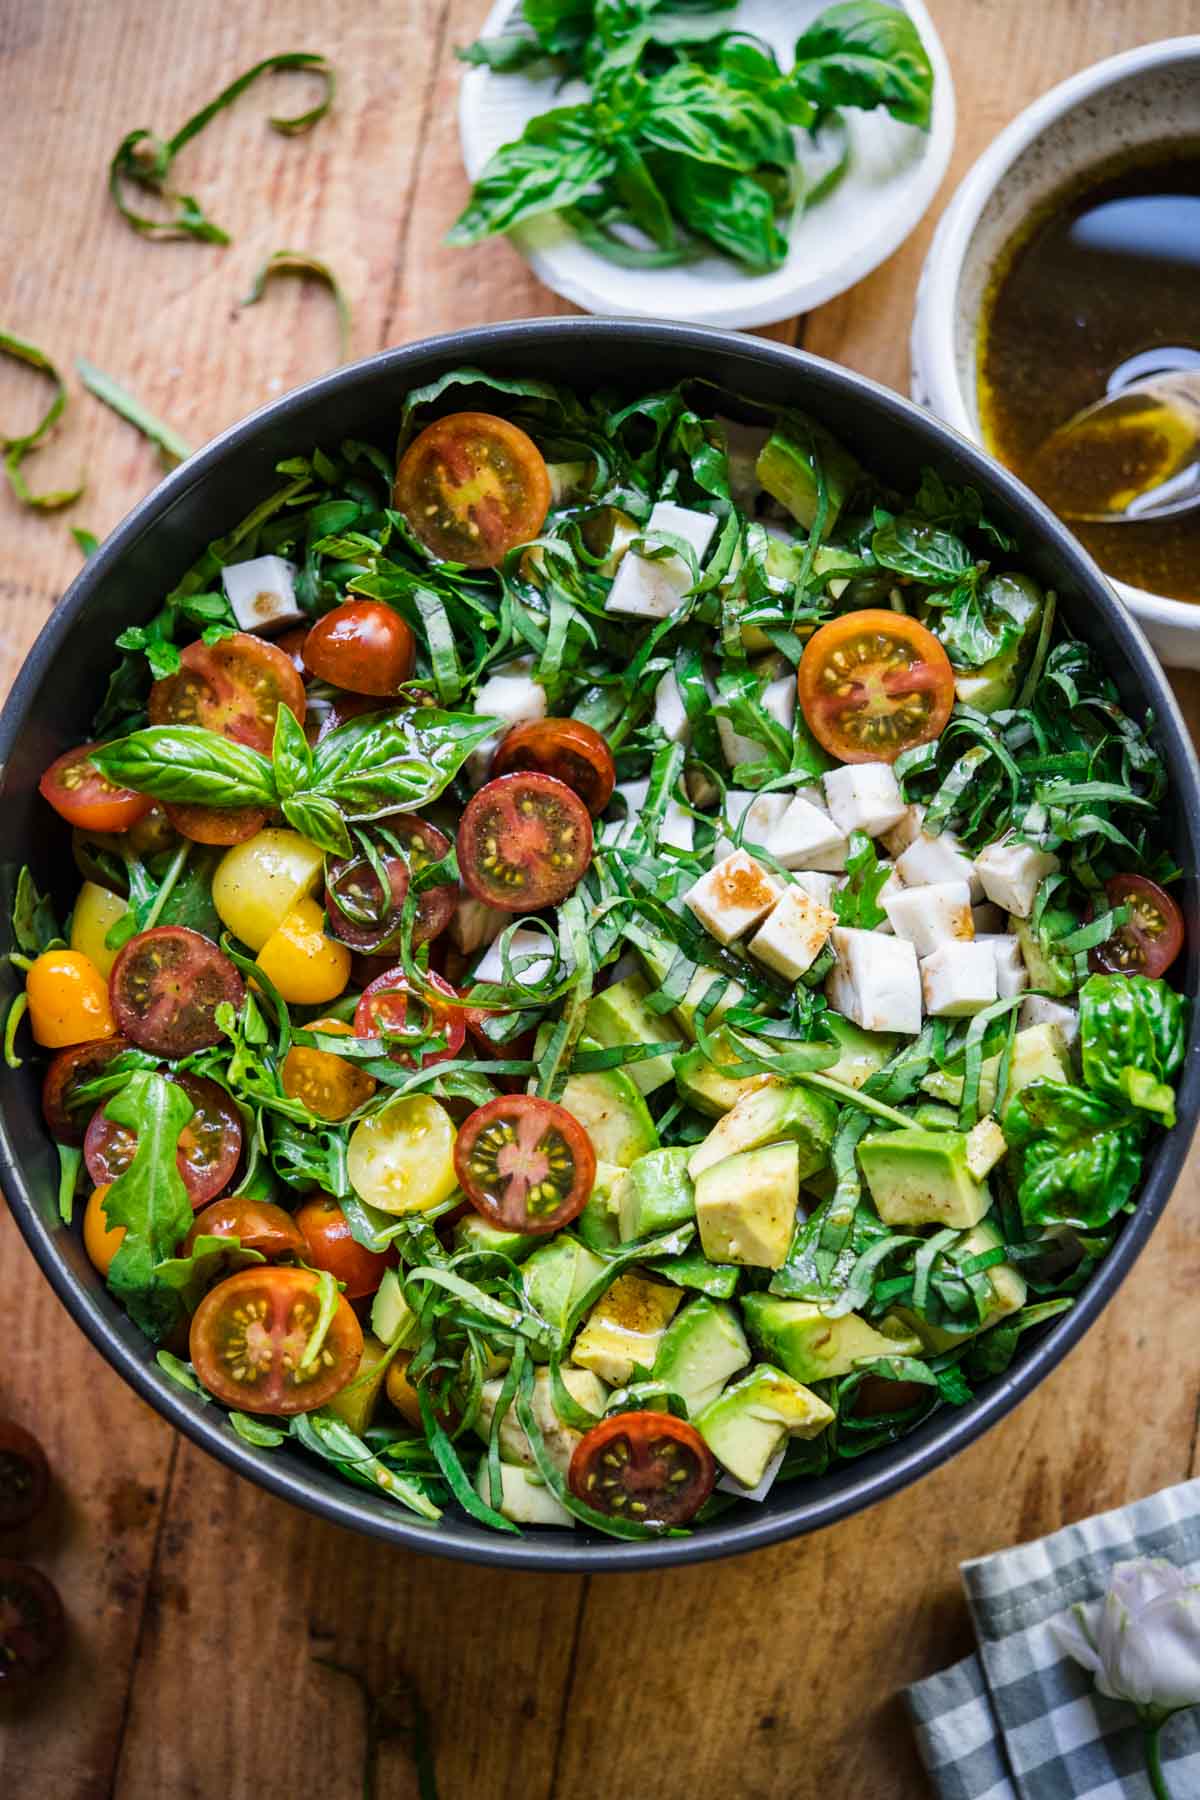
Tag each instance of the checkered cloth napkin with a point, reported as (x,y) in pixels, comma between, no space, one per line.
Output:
(1019,1720)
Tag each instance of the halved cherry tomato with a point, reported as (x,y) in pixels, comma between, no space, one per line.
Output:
(363,646)
(354,900)
(31,1623)
(24,1475)
(567,749)
(330,1086)
(524,1163)
(424,844)
(68,1000)
(100,1239)
(473,487)
(332,1246)
(524,841)
(166,986)
(1151,939)
(874,683)
(256,1224)
(306,967)
(235,686)
(291,642)
(79,793)
(403,1395)
(647,1467)
(250,1336)
(215,824)
(383,1007)
(67,1119)
(209,1144)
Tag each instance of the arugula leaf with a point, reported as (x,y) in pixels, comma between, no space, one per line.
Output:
(1132,1039)
(16,449)
(149,1200)
(557,160)
(192,1275)
(865,54)
(1079,1158)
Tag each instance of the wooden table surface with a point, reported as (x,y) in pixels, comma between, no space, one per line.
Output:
(199,1606)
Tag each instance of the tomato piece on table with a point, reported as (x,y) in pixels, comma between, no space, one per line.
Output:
(67,1073)
(330,1245)
(383,1007)
(647,1467)
(82,796)
(209,1144)
(257,1224)
(571,751)
(250,1336)
(32,1625)
(873,684)
(473,487)
(525,1163)
(1151,938)
(24,1475)
(235,686)
(524,841)
(166,986)
(216,824)
(363,646)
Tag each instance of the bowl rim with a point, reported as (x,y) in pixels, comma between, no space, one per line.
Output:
(933,332)
(948,1432)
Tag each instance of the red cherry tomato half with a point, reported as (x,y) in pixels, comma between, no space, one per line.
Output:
(209,1144)
(82,796)
(214,824)
(524,1163)
(67,1073)
(24,1475)
(874,683)
(354,901)
(383,1008)
(291,642)
(256,1224)
(250,1335)
(1152,937)
(565,748)
(333,714)
(32,1625)
(524,841)
(363,646)
(235,686)
(165,988)
(330,1245)
(473,487)
(647,1467)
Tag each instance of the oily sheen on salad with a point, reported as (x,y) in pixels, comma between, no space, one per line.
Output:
(618,960)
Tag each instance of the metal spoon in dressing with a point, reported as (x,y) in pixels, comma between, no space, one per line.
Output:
(1130,458)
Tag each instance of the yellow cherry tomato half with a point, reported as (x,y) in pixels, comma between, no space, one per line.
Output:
(307,967)
(258,883)
(328,1085)
(100,1239)
(68,1000)
(97,910)
(402,1160)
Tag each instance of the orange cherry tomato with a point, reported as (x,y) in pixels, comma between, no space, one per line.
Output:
(250,1336)
(330,1245)
(256,1224)
(235,686)
(873,684)
(68,1000)
(82,796)
(473,487)
(646,1466)
(329,1085)
(403,1395)
(215,824)
(569,750)
(100,1239)
(363,646)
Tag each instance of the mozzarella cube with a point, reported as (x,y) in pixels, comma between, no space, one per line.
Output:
(729,1484)
(890,889)
(817,884)
(986,1146)
(1012,873)
(988,919)
(732,898)
(794,933)
(617,832)
(779,701)
(958,980)
(262,593)
(651,588)
(899,836)
(863,797)
(670,714)
(1012,977)
(757,814)
(876,981)
(524,942)
(734,747)
(473,924)
(807,838)
(1038,1010)
(930,916)
(933,859)
(509,693)
(678,827)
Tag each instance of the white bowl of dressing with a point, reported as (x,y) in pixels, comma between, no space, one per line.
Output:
(1147,96)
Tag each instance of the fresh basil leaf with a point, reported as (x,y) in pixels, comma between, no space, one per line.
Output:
(1079,1159)
(865,54)
(188,765)
(697,113)
(149,1200)
(1132,1039)
(732,210)
(922,552)
(34,925)
(291,757)
(318,818)
(299,262)
(557,160)
(391,762)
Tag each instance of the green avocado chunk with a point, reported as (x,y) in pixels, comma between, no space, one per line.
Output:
(613,1114)
(1039,1053)
(805,1118)
(919,1177)
(658,955)
(787,470)
(746,1206)
(1054,969)
(355,1405)
(700,1083)
(861,1053)
(656,1194)
(599,1224)
(392,1318)
(555,1277)
(748,1422)
(1008,1293)
(620,1015)
(692,1269)
(806,1343)
(994,685)
(702,1347)
(474,1232)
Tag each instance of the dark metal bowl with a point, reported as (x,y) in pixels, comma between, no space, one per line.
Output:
(61,684)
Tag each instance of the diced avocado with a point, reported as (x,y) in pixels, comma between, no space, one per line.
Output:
(783,562)
(526,1501)
(560,1438)
(355,1404)
(599,1224)
(702,1347)
(392,1318)
(1004,598)
(1039,1053)
(555,1277)
(800,1338)
(921,1177)
(658,955)
(746,1206)
(657,1194)
(861,1053)
(620,1016)
(986,1146)
(566,478)
(1053,970)
(613,1114)
(701,1084)
(474,1232)
(745,1425)
(787,469)
(693,1270)
(1005,1280)
(798,1114)
(625,1328)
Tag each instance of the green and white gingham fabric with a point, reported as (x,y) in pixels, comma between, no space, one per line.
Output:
(1020,1720)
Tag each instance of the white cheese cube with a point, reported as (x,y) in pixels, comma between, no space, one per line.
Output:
(899,836)
(931,916)
(890,889)
(524,942)
(1012,977)
(509,693)
(678,827)
(670,714)
(779,701)
(863,797)
(794,933)
(734,747)
(941,858)
(757,814)
(732,898)
(262,593)
(807,838)
(729,1484)
(473,924)
(958,980)
(1012,873)
(651,588)
(1037,1009)
(616,832)
(876,982)
(989,919)
(816,883)
(986,1146)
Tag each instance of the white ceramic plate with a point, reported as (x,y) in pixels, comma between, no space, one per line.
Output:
(894,173)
